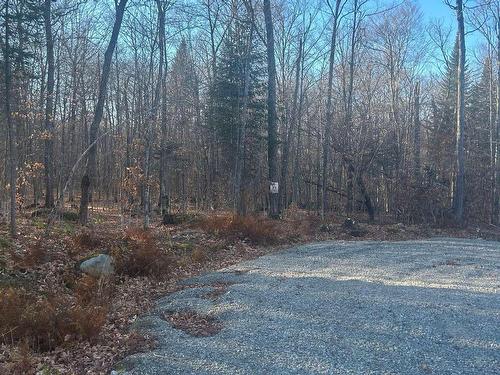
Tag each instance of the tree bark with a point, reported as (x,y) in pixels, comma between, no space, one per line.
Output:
(164,200)
(88,178)
(49,104)
(416,134)
(348,121)
(291,130)
(459,193)
(329,112)
(272,138)
(11,127)
(496,199)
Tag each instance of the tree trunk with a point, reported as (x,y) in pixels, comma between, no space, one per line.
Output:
(164,201)
(496,199)
(291,130)
(239,198)
(11,127)
(49,116)
(459,193)
(329,112)
(416,134)
(366,198)
(348,122)
(88,178)
(272,139)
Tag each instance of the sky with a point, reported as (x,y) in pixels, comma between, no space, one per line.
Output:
(437,10)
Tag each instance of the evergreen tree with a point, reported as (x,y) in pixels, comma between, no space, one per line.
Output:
(442,139)
(226,100)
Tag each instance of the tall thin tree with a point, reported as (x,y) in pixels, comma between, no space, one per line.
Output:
(11,127)
(272,134)
(49,107)
(459,192)
(88,177)
(329,110)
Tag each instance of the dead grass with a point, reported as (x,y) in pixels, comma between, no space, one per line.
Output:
(142,256)
(90,290)
(35,255)
(258,230)
(45,322)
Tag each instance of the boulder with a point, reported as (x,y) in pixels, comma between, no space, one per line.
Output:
(100,265)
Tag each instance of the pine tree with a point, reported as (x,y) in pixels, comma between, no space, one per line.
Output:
(226,101)
(479,141)
(442,140)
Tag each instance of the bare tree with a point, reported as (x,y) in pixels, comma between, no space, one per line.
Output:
(272,136)
(496,200)
(11,127)
(88,177)
(459,186)
(416,133)
(329,109)
(49,107)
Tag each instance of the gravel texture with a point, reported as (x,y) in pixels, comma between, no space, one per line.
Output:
(415,307)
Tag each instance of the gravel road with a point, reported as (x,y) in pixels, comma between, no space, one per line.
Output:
(415,307)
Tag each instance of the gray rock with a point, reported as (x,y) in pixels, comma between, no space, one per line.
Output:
(100,265)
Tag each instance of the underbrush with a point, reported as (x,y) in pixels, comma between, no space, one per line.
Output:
(86,240)
(141,255)
(34,255)
(258,230)
(45,322)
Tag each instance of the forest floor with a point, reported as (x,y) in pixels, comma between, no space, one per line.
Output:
(55,320)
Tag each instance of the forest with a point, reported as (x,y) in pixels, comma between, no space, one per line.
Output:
(166,106)
(135,117)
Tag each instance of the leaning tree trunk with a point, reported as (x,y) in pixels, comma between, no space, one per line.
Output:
(49,108)
(459,193)
(88,177)
(329,113)
(272,138)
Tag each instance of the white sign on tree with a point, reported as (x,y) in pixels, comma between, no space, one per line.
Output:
(274,187)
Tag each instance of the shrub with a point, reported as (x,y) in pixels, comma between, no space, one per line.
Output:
(217,224)
(87,321)
(259,230)
(47,322)
(89,290)
(142,256)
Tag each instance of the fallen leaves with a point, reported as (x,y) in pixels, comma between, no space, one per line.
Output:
(194,323)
